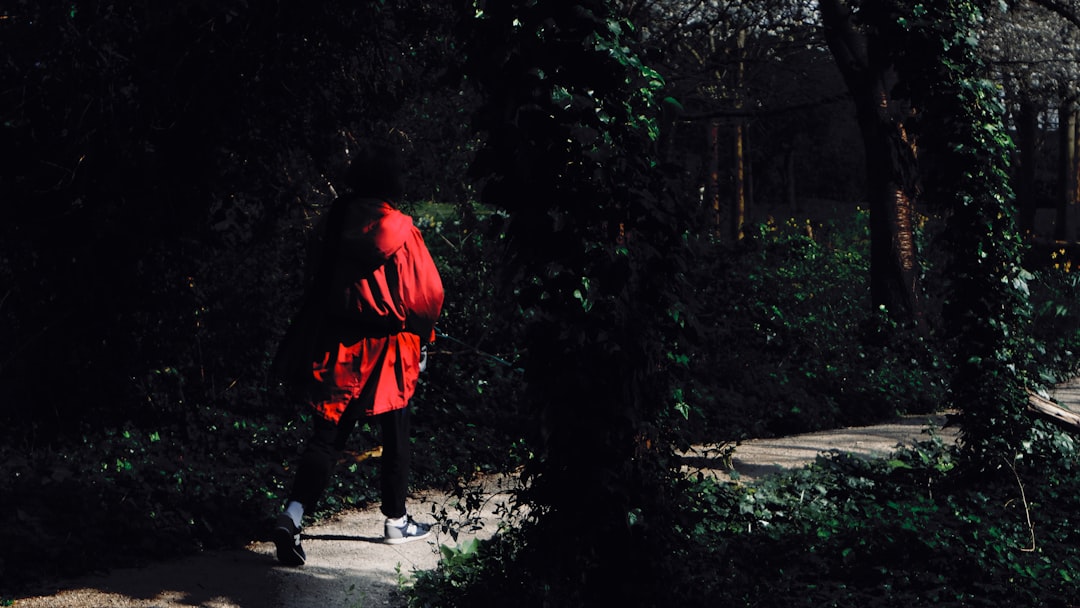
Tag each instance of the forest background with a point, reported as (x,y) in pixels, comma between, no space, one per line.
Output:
(685,212)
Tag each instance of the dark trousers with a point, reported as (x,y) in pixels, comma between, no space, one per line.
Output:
(325,446)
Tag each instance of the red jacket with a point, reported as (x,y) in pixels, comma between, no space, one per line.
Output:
(384,277)
(379,294)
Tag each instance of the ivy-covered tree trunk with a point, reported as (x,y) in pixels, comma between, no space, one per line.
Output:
(594,260)
(986,306)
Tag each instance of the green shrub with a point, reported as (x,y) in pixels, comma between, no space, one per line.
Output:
(210,479)
(470,394)
(912,530)
(1055,323)
(791,342)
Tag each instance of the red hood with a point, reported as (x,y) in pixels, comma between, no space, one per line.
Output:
(375,230)
(388,233)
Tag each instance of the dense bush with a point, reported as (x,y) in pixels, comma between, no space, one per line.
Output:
(790,341)
(1055,324)
(906,531)
(207,479)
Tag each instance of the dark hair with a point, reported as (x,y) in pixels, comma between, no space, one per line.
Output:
(375,171)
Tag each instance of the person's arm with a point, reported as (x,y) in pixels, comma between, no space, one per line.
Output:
(423,288)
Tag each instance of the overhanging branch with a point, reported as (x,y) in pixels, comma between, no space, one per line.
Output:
(762,112)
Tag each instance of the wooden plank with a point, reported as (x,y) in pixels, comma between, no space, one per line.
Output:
(1057,413)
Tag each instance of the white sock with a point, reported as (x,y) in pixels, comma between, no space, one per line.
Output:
(295,511)
(400,521)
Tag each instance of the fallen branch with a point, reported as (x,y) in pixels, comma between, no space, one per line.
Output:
(1060,415)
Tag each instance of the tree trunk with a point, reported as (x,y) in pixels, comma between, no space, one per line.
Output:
(712,173)
(1027,124)
(1064,226)
(789,186)
(890,165)
(748,168)
(1073,215)
(738,210)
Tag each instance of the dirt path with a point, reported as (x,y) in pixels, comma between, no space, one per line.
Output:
(349,567)
(755,458)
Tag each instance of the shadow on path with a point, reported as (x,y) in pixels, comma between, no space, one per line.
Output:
(347,567)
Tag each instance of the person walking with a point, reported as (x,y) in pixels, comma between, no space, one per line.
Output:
(358,342)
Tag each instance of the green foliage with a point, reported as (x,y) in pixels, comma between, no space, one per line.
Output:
(880,533)
(906,531)
(1055,325)
(845,532)
(482,573)
(207,479)
(787,322)
(472,388)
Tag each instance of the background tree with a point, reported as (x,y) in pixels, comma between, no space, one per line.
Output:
(1032,47)
(866,55)
(764,129)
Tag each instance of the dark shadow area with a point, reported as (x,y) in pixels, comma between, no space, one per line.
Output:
(241,578)
(378,540)
(739,469)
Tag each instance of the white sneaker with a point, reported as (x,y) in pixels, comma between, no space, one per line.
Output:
(406,532)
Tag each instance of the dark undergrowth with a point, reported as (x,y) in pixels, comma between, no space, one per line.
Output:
(786,347)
